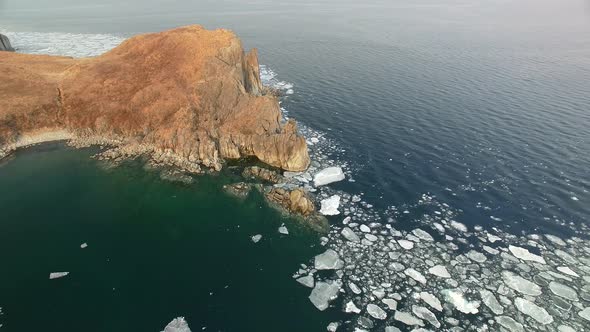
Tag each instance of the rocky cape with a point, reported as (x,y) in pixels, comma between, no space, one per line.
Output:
(188,96)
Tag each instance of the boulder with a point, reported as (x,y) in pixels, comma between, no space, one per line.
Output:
(5,44)
(255,172)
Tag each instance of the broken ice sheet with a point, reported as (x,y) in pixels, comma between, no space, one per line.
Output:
(330,206)
(329,260)
(177,325)
(55,275)
(327,176)
(323,293)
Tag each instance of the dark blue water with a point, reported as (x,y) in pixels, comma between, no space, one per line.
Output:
(484,104)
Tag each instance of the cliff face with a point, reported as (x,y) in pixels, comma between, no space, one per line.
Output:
(188,92)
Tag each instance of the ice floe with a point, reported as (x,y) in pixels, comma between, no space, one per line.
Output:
(283,229)
(256,238)
(330,206)
(534,311)
(178,324)
(329,260)
(327,176)
(56,275)
(323,293)
(520,284)
(376,312)
(524,254)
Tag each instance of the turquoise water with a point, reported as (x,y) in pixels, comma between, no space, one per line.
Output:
(156,250)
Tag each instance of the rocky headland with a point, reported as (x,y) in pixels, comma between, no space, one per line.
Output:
(189,97)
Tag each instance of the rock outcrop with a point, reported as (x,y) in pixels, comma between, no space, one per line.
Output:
(188,94)
(296,201)
(5,44)
(259,173)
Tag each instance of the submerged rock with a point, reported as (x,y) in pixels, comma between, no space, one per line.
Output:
(177,325)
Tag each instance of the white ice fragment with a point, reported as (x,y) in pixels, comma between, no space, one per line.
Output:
(256,238)
(392,329)
(390,303)
(476,256)
(376,312)
(555,239)
(330,206)
(565,328)
(177,325)
(283,229)
(84,245)
(354,288)
(459,226)
(510,324)
(407,318)
(564,291)
(585,313)
(534,311)
(492,238)
(427,315)
(410,272)
(364,228)
(55,275)
(323,293)
(350,307)
(526,255)
(423,235)
(458,300)
(406,244)
(568,271)
(490,250)
(491,302)
(439,271)
(314,140)
(333,326)
(306,281)
(371,237)
(328,175)
(574,198)
(329,260)
(431,300)
(350,235)
(520,284)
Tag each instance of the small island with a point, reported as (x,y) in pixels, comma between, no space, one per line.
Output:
(187,97)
